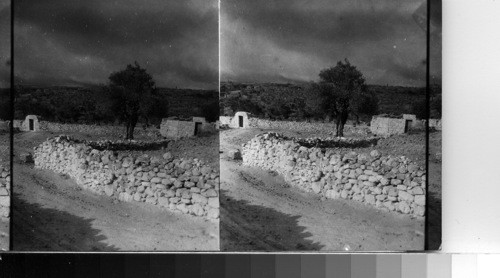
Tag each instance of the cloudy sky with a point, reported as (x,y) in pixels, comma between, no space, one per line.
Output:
(292,40)
(4,43)
(73,42)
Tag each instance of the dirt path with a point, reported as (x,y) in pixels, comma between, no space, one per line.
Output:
(51,212)
(260,212)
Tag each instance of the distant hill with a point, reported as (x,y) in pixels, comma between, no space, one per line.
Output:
(188,102)
(92,104)
(249,97)
(396,99)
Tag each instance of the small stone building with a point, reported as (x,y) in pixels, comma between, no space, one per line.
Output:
(240,120)
(385,125)
(171,128)
(31,123)
(410,118)
(202,126)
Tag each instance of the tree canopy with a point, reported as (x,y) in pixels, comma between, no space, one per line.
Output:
(344,92)
(133,92)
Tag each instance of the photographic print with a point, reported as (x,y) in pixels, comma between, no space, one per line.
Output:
(323,126)
(116,145)
(5,117)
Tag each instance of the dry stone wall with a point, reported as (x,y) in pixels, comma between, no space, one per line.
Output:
(387,182)
(317,127)
(4,192)
(436,123)
(184,185)
(225,120)
(115,131)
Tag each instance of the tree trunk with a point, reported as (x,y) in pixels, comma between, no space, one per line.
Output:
(340,129)
(338,124)
(133,123)
(341,120)
(131,132)
(127,130)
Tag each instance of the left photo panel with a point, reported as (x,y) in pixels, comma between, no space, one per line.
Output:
(5,120)
(115,142)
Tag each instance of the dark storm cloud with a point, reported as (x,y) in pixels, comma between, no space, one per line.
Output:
(295,39)
(293,24)
(436,55)
(84,41)
(4,43)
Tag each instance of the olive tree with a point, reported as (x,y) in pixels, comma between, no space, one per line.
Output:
(342,87)
(133,93)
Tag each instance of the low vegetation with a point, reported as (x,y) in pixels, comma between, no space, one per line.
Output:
(322,101)
(95,105)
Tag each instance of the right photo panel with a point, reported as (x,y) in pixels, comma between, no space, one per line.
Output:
(323,127)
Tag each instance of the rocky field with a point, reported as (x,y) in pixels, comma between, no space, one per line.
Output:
(163,224)
(252,197)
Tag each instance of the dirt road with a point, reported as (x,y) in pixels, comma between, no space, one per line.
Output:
(51,212)
(259,211)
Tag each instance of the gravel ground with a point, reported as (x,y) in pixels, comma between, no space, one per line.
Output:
(51,212)
(259,211)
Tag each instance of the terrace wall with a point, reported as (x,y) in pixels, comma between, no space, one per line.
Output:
(225,120)
(435,123)
(387,182)
(317,127)
(115,131)
(178,184)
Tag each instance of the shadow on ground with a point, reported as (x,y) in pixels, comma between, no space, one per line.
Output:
(35,228)
(251,227)
(433,223)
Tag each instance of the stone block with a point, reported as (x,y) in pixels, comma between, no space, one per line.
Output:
(405,196)
(420,200)
(370,199)
(214,202)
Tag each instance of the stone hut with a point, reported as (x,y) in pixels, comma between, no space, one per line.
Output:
(385,125)
(31,123)
(173,128)
(240,120)
(410,119)
(202,126)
